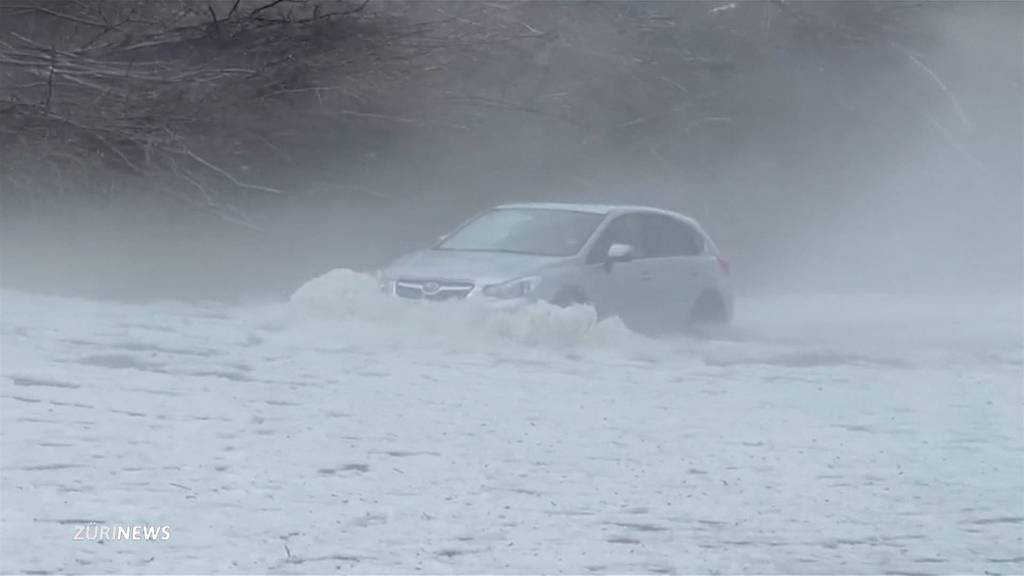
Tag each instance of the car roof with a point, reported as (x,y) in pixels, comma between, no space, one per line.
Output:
(595,208)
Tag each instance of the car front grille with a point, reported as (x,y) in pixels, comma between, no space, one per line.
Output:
(434,290)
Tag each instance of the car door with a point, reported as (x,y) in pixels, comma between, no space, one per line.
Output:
(620,288)
(675,252)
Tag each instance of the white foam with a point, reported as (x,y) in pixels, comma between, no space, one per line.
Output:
(351,306)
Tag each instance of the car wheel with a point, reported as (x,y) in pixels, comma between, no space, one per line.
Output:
(710,308)
(569,297)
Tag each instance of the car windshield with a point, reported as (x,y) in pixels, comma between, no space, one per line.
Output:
(525,231)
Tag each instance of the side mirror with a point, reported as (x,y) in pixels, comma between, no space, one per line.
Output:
(619,253)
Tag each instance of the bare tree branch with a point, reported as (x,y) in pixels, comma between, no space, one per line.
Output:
(228,175)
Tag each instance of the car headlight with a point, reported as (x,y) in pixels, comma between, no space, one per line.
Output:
(513,288)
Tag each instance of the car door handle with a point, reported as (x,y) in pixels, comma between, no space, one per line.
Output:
(646,276)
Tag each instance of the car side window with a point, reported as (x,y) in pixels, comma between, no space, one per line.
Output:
(666,237)
(626,229)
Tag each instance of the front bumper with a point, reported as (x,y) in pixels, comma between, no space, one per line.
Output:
(474,295)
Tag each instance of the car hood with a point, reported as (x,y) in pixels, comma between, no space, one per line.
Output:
(467,265)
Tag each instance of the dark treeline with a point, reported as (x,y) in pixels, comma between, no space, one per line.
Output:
(224,148)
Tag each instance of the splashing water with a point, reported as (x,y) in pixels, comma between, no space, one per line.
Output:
(351,305)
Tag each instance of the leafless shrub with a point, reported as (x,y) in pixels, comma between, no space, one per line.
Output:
(158,89)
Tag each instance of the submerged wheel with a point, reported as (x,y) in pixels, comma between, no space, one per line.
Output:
(710,308)
(569,297)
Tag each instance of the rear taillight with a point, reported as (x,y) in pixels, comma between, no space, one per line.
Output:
(723,264)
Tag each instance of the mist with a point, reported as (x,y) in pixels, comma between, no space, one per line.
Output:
(861,157)
(196,351)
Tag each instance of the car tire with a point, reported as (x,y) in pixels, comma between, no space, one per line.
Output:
(569,297)
(709,308)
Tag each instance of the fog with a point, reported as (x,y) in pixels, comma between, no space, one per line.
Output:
(193,196)
(891,163)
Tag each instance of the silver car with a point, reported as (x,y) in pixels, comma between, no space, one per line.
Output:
(652,268)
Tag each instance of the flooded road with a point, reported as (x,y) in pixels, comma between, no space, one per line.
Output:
(828,434)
